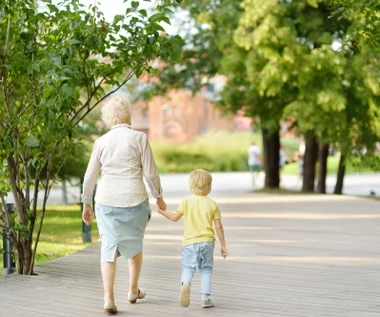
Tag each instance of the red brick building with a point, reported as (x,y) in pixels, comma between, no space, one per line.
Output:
(180,116)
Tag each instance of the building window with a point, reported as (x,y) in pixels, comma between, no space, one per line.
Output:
(145,112)
(177,111)
(166,110)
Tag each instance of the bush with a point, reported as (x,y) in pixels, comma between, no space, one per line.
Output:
(180,160)
(216,151)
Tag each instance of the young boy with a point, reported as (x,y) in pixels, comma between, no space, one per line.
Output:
(199,213)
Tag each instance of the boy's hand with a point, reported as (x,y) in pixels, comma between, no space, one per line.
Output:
(224,252)
(160,210)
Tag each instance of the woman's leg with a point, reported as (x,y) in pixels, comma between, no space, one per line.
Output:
(135,265)
(108,274)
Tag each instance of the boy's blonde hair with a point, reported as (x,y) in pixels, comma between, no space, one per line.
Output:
(200,182)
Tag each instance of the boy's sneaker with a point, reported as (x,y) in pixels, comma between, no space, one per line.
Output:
(207,303)
(184,295)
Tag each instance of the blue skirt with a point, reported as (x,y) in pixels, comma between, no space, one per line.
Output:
(122,229)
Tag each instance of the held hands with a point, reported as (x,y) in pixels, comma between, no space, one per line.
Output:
(224,252)
(160,210)
(161,204)
(87,214)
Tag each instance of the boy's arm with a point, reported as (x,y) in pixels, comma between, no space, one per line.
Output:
(220,232)
(173,216)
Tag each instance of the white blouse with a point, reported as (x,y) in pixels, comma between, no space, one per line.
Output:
(122,156)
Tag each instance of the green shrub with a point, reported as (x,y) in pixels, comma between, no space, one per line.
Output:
(216,151)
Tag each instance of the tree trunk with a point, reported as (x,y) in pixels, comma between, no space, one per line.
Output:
(24,254)
(65,200)
(271,144)
(310,160)
(323,154)
(340,177)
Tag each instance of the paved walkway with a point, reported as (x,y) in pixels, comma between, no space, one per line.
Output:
(298,255)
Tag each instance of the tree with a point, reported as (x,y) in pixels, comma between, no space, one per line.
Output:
(56,65)
(294,42)
(336,101)
(210,51)
(364,15)
(361,131)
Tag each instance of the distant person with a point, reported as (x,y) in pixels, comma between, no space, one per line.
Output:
(199,212)
(254,161)
(302,148)
(300,162)
(283,157)
(123,157)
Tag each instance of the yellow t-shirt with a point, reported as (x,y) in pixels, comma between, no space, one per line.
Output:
(199,212)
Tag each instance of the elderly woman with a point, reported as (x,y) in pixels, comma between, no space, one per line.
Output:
(122,157)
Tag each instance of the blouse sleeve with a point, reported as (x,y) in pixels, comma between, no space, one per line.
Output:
(149,169)
(91,176)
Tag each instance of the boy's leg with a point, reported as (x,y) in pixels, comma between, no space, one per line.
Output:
(205,264)
(189,265)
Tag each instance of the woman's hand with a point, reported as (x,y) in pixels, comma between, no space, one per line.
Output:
(87,214)
(161,203)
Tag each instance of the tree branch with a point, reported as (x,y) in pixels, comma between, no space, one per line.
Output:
(133,71)
(46,195)
(87,103)
(17,193)
(5,218)
(4,79)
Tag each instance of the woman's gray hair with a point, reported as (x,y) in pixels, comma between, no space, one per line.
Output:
(116,111)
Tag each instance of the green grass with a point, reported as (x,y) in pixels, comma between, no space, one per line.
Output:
(61,233)
(332,167)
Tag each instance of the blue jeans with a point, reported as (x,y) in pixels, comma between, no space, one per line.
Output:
(199,255)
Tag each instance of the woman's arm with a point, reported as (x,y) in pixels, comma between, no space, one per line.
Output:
(150,172)
(90,179)
(91,176)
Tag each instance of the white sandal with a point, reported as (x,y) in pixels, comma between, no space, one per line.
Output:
(110,308)
(134,296)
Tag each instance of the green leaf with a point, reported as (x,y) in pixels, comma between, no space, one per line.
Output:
(157,27)
(118,18)
(139,72)
(32,142)
(143,12)
(49,91)
(74,42)
(157,17)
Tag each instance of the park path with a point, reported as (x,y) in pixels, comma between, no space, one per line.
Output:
(290,256)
